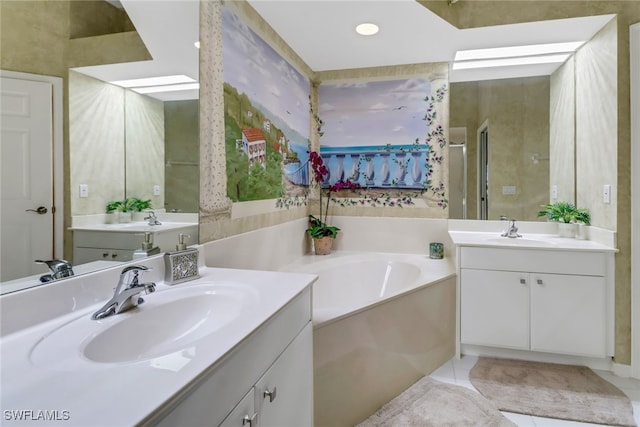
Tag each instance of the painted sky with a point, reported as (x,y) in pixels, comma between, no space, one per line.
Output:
(373,113)
(254,68)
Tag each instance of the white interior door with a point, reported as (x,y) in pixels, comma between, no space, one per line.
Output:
(26,153)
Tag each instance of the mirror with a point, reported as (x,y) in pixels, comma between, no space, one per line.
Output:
(156,133)
(514,115)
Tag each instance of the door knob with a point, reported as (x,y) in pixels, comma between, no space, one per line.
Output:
(40,211)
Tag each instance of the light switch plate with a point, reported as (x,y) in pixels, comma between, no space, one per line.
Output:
(84,190)
(554,191)
(156,190)
(509,190)
(606,193)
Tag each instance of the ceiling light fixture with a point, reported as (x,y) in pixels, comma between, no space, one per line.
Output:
(515,51)
(506,62)
(367,29)
(154,81)
(515,55)
(166,88)
(197,44)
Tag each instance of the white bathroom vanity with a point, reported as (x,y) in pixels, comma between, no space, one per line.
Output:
(536,294)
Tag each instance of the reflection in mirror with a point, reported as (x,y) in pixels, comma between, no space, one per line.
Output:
(512,117)
(122,143)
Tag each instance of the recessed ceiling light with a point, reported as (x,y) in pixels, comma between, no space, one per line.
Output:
(154,81)
(367,29)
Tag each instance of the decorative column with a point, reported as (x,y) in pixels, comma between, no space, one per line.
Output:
(384,170)
(214,203)
(340,167)
(354,176)
(401,173)
(369,174)
(416,171)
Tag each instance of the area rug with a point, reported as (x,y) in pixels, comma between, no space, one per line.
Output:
(429,403)
(567,392)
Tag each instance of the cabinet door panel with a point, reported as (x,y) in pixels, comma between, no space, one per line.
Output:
(243,415)
(494,308)
(568,314)
(284,393)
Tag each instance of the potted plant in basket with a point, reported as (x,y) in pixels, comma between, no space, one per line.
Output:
(323,234)
(126,206)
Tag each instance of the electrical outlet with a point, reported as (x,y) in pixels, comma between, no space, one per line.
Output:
(156,190)
(84,190)
(606,193)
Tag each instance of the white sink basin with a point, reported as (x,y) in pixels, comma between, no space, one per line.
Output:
(168,321)
(520,241)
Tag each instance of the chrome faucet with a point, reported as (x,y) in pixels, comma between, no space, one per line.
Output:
(59,268)
(127,292)
(153,219)
(511,230)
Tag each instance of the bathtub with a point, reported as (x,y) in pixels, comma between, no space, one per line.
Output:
(381,321)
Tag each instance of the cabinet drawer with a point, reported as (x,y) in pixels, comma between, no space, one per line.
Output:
(533,260)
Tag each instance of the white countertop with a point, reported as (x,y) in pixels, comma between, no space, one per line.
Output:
(135,227)
(115,394)
(527,241)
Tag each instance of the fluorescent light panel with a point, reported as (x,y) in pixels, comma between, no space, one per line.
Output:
(154,81)
(517,51)
(166,88)
(506,62)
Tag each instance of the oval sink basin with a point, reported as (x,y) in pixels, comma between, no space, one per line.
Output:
(519,241)
(168,321)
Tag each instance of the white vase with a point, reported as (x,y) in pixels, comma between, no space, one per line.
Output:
(583,232)
(567,229)
(124,217)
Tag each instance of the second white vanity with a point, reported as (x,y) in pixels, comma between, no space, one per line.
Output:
(537,293)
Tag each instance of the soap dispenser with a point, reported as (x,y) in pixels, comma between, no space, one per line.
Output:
(147,247)
(182,264)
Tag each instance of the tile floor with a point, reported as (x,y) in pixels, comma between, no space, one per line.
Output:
(457,372)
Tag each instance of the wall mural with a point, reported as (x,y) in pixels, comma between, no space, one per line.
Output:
(386,137)
(266,118)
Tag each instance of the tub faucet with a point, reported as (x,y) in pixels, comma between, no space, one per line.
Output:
(512,230)
(59,268)
(127,292)
(152,218)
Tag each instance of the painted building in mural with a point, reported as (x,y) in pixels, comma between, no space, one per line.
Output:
(254,146)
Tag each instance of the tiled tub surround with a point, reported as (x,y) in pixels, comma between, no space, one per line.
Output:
(158,383)
(370,343)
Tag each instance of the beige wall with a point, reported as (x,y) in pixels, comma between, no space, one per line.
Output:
(181,155)
(596,126)
(113,133)
(562,153)
(517,112)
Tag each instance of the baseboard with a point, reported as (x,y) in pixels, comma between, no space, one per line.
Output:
(621,370)
(602,364)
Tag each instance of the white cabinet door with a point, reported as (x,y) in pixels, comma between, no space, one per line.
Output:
(284,394)
(494,308)
(243,414)
(568,314)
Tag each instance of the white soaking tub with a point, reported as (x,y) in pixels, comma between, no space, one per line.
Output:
(381,321)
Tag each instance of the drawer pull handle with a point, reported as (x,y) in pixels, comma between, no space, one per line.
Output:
(539,281)
(270,394)
(249,420)
(105,254)
(523,281)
